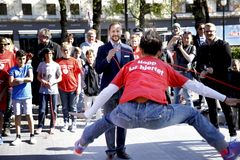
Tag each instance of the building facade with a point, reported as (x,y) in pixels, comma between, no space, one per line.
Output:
(21,19)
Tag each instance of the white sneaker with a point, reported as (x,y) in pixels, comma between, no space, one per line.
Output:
(1,140)
(233,138)
(16,141)
(33,140)
(65,127)
(38,131)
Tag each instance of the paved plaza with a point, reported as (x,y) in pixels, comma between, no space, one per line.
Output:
(180,142)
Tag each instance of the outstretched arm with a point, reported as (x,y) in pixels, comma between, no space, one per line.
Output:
(101,99)
(201,89)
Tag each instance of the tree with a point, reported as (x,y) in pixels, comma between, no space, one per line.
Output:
(200,11)
(97,12)
(137,8)
(63,19)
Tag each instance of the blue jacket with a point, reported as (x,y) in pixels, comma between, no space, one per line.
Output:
(109,70)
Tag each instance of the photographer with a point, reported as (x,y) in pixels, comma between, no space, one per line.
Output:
(185,53)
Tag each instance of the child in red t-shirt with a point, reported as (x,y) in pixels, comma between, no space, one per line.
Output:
(3,97)
(69,87)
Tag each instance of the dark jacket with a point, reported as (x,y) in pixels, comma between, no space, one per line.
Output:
(217,56)
(91,81)
(109,70)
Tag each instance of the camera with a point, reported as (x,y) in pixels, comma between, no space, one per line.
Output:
(179,42)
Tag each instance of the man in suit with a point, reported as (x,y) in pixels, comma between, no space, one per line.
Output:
(110,58)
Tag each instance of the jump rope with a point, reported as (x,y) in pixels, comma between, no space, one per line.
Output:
(189,70)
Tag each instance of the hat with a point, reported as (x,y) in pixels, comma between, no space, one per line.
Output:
(177,25)
(137,29)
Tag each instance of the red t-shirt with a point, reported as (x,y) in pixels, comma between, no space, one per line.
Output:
(3,84)
(70,70)
(147,77)
(7,60)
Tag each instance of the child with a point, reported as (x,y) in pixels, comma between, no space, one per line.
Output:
(3,97)
(69,87)
(91,80)
(20,79)
(49,74)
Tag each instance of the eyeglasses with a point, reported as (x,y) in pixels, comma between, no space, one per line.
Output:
(5,44)
(201,28)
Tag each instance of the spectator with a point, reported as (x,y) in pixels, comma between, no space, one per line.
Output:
(78,55)
(3,97)
(49,74)
(91,81)
(8,60)
(198,40)
(185,53)
(91,43)
(135,41)
(21,77)
(69,87)
(110,59)
(213,60)
(44,38)
(234,78)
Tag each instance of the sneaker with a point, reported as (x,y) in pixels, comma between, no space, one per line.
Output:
(38,131)
(233,151)
(78,148)
(6,132)
(52,131)
(16,142)
(233,138)
(65,127)
(73,127)
(33,140)
(1,140)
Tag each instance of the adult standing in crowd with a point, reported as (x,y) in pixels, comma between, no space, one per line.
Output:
(110,59)
(213,60)
(185,53)
(91,43)
(198,40)
(44,38)
(8,60)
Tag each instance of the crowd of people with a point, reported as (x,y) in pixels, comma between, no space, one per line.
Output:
(73,76)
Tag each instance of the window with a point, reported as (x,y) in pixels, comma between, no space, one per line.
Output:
(220,7)
(27,9)
(74,8)
(51,9)
(3,9)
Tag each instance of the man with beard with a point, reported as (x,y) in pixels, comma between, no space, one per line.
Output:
(110,59)
(213,60)
(44,37)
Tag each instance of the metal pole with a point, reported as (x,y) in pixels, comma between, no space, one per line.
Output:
(223,23)
(171,6)
(126,15)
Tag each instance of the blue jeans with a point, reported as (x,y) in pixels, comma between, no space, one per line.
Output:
(43,108)
(69,104)
(185,93)
(152,115)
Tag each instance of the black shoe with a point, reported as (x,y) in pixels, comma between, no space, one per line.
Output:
(110,156)
(123,155)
